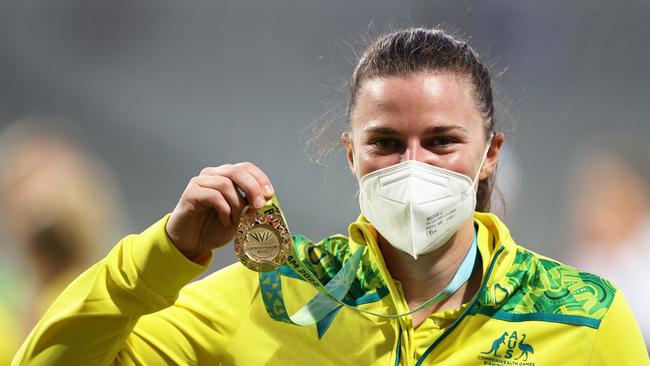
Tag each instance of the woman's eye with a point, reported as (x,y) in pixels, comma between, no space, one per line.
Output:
(442,141)
(385,143)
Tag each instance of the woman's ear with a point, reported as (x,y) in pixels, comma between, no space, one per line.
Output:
(492,156)
(346,140)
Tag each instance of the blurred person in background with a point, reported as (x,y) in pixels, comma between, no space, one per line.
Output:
(610,217)
(58,207)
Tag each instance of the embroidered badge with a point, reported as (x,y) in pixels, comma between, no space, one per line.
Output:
(509,349)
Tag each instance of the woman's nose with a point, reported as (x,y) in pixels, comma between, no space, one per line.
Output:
(414,151)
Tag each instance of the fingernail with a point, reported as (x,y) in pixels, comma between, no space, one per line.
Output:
(259,202)
(268,191)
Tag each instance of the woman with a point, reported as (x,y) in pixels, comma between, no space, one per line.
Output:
(421,141)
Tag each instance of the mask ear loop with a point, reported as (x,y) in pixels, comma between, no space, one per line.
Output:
(487,148)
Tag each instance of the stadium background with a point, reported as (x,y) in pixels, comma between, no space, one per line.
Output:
(159,89)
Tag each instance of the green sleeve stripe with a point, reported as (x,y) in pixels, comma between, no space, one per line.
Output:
(543,317)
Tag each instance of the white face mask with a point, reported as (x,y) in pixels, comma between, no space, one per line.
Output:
(417,207)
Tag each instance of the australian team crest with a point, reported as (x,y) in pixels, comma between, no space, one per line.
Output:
(510,348)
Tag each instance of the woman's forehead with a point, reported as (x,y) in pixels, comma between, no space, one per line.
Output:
(422,98)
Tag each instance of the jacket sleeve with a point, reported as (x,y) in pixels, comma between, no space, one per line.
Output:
(93,322)
(619,341)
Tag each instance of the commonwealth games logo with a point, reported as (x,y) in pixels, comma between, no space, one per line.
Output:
(509,349)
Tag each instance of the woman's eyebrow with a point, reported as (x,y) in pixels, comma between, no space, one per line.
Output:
(380,131)
(434,130)
(445,128)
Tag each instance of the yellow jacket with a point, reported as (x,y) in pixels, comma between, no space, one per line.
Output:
(136,307)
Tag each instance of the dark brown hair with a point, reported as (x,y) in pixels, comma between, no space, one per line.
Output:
(415,50)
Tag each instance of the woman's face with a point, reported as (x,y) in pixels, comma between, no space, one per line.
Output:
(427,117)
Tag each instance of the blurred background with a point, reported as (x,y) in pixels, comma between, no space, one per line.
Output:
(134,97)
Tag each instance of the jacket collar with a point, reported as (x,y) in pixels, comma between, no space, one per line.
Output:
(491,236)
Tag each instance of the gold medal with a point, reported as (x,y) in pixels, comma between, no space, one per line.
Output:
(262,241)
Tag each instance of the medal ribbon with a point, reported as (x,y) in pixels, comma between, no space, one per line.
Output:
(330,297)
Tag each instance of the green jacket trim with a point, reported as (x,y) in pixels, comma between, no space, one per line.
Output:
(553,318)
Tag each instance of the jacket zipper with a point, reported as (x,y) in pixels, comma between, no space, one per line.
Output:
(460,318)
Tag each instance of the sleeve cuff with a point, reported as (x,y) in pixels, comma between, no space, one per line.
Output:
(162,266)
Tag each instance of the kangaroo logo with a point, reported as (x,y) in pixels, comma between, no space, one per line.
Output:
(495,345)
(514,350)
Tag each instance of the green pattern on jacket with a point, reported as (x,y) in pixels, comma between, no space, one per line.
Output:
(537,285)
(326,258)
(532,286)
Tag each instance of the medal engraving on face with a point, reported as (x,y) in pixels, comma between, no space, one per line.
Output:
(262,241)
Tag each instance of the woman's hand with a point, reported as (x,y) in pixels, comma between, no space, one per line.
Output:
(207,215)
